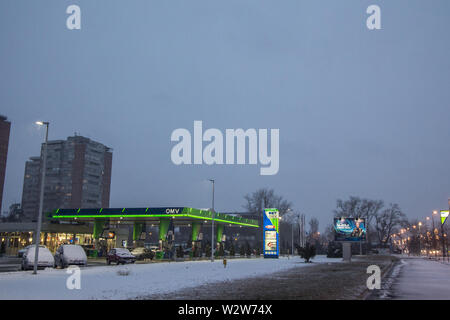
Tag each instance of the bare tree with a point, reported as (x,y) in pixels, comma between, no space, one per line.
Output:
(387,221)
(329,232)
(313,228)
(265,198)
(356,207)
(369,210)
(348,208)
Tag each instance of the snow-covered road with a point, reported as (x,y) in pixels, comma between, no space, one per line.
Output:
(142,280)
(422,279)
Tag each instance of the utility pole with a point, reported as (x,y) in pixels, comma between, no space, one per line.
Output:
(420,239)
(443,241)
(300,230)
(434,235)
(292,238)
(304,231)
(360,244)
(296,220)
(212,222)
(37,236)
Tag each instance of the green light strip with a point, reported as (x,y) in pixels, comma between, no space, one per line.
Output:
(226,221)
(118,216)
(156,216)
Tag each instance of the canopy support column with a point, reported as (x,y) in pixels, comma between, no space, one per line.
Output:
(99,225)
(164,224)
(219,233)
(196,247)
(137,231)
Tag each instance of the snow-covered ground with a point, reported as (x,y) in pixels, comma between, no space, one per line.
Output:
(422,279)
(142,279)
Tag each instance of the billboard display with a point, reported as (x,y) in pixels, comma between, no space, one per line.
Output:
(349,229)
(271,237)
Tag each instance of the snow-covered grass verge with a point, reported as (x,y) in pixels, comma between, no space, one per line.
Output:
(131,281)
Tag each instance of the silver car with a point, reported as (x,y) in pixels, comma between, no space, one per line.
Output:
(45,258)
(70,254)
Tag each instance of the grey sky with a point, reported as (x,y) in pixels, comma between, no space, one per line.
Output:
(360,112)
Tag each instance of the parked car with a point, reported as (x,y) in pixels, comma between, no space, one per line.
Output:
(70,254)
(120,255)
(142,253)
(22,251)
(45,258)
(151,247)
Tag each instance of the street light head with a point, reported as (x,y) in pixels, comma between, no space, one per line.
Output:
(39,123)
(435,212)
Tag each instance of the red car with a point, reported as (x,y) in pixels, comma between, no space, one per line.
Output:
(120,255)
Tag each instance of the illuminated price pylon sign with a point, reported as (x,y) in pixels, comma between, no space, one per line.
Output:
(271,236)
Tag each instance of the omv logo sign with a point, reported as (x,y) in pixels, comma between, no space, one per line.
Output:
(172,211)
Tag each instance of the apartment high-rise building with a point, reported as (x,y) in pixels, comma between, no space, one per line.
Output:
(5,128)
(78,175)
(31,185)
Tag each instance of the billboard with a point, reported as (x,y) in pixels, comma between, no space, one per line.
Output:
(349,229)
(271,237)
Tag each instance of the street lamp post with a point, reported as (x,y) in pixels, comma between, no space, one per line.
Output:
(434,235)
(294,219)
(37,237)
(427,243)
(420,238)
(443,242)
(444,247)
(292,239)
(212,222)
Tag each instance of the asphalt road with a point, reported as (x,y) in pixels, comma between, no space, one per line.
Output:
(422,279)
(416,278)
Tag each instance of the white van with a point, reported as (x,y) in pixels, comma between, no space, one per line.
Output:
(70,254)
(45,258)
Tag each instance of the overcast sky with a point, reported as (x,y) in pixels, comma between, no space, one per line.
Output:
(360,112)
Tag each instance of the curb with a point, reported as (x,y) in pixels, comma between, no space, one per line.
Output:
(367,293)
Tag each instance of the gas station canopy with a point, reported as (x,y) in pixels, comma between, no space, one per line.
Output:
(180,215)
